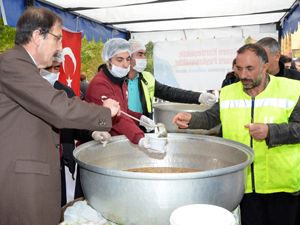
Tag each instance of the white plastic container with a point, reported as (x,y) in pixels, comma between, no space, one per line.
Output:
(201,214)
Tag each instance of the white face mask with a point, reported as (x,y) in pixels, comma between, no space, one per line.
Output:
(50,77)
(140,65)
(119,72)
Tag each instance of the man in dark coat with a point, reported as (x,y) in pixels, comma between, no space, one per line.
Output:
(276,67)
(29,108)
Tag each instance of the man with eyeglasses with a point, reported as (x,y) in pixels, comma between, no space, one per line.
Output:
(29,108)
(57,37)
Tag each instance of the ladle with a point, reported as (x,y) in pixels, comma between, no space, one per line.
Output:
(159,128)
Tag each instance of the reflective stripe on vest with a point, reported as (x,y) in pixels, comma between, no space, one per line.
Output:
(267,102)
(148,89)
(276,169)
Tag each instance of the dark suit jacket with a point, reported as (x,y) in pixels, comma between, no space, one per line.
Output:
(68,137)
(29,158)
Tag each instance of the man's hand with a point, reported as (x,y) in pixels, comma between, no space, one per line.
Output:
(182,119)
(113,105)
(259,131)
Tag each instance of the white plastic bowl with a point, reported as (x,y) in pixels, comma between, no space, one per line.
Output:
(201,214)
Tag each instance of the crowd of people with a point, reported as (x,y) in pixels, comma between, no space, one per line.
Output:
(41,119)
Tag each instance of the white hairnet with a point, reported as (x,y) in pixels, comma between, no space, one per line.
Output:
(136,46)
(113,47)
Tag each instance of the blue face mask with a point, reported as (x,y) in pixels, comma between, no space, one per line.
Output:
(119,72)
(50,77)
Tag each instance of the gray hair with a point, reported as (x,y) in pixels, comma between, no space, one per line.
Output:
(269,43)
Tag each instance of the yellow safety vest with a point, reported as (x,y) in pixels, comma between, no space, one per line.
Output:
(276,169)
(148,85)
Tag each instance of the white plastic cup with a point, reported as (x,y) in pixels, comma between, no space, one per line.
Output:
(158,144)
(201,214)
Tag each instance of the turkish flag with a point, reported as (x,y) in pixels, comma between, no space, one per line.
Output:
(69,73)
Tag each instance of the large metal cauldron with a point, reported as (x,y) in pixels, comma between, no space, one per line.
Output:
(136,198)
(165,111)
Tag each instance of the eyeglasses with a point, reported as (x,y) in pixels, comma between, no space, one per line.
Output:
(58,38)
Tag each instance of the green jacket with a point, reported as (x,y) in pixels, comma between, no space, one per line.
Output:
(147,82)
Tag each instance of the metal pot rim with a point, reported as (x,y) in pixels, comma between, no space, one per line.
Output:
(169,176)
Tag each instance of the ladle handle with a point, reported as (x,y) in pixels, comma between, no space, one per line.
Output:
(103,98)
(132,117)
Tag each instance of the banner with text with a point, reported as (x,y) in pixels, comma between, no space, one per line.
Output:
(196,65)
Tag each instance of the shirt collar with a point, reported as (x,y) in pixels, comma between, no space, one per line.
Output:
(30,56)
